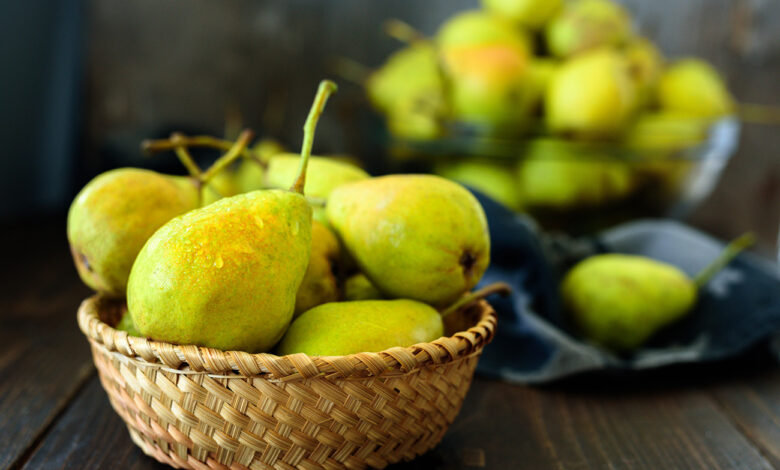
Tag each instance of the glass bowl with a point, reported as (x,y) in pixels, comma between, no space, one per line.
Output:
(581,187)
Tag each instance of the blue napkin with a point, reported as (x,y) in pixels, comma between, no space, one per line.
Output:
(737,309)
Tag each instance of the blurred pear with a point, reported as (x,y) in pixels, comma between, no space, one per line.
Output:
(583,25)
(692,86)
(495,178)
(532,14)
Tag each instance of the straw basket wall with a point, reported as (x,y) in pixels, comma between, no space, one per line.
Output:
(201,408)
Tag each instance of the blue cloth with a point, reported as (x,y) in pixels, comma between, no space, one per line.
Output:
(739,308)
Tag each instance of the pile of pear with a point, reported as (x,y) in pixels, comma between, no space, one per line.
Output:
(572,80)
(272,252)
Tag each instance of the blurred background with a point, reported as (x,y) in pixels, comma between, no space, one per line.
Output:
(85,81)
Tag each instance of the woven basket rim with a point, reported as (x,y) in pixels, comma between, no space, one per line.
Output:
(198,359)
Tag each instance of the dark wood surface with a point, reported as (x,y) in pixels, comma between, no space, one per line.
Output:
(54,413)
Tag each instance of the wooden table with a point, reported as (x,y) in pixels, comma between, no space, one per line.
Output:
(54,414)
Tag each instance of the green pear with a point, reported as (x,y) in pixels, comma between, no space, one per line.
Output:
(540,74)
(358,287)
(591,96)
(420,237)
(226,275)
(645,64)
(326,175)
(126,324)
(492,177)
(693,87)
(587,24)
(319,284)
(562,175)
(223,184)
(488,86)
(619,301)
(410,77)
(112,217)
(532,14)
(249,174)
(479,28)
(341,328)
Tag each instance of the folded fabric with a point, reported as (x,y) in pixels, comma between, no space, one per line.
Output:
(737,309)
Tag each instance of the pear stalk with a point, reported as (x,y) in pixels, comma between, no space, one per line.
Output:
(155,146)
(185,157)
(727,255)
(224,161)
(759,114)
(496,288)
(324,91)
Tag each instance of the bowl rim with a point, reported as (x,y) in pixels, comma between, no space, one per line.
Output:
(192,359)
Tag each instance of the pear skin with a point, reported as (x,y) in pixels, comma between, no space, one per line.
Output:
(619,301)
(585,25)
(420,237)
(226,275)
(693,87)
(591,96)
(358,287)
(126,324)
(532,14)
(112,217)
(319,284)
(494,178)
(475,28)
(341,328)
(325,175)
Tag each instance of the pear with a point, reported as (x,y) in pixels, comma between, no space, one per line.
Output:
(587,24)
(561,175)
(126,324)
(532,14)
(358,287)
(492,177)
(114,214)
(591,96)
(319,284)
(341,328)
(619,301)
(488,86)
(645,64)
(249,174)
(223,184)
(540,74)
(420,237)
(693,87)
(326,175)
(409,90)
(226,275)
(476,28)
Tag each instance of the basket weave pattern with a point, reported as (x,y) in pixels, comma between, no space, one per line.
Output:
(201,408)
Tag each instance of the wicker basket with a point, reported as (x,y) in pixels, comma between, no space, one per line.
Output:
(201,408)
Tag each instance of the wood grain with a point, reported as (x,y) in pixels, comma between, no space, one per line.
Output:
(44,359)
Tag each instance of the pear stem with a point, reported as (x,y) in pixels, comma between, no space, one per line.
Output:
(726,256)
(402,31)
(154,146)
(184,156)
(759,114)
(351,70)
(324,91)
(496,288)
(236,150)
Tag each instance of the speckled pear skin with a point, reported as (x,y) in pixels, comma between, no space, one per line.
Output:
(323,176)
(126,324)
(619,301)
(419,237)
(112,217)
(341,328)
(319,284)
(226,275)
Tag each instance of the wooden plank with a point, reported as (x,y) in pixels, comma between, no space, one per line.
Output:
(755,408)
(504,426)
(90,435)
(44,359)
